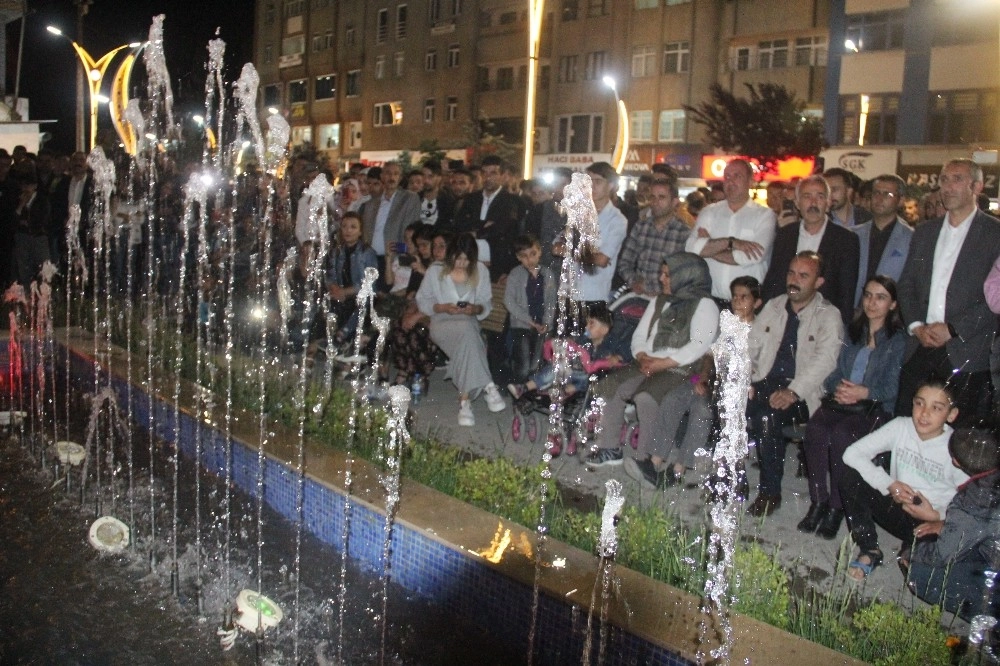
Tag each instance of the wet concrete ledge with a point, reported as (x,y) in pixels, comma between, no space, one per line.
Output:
(652,623)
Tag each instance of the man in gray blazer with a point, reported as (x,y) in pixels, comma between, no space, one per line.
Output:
(387,216)
(942,301)
(885,241)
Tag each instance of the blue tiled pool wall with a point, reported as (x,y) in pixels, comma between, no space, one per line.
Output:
(455,581)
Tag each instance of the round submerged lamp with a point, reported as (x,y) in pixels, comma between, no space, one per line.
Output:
(70,453)
(108,535)
(255,611)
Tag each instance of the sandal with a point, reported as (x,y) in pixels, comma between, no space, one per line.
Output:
(874,560)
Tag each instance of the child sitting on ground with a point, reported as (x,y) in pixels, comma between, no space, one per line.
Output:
(920,472)
(530,299)
(951,568)
(594,351)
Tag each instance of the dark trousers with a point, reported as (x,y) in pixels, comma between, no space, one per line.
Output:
(765,426)
(973,391)
(866,506)
(527,352)
(960,586)
(828,434)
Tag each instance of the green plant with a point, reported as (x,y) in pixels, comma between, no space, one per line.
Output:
(500,486)
(760,586)
(887,636)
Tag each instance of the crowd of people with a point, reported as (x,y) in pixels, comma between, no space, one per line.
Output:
(873,316)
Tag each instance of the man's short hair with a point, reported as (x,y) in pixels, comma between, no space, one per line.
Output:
(433,166)
(974,449)
(492,160)
(850,180)
(809,255)
(667,184)
(746,166)
(891,178)
(461,171)
(663,170)
(374,173)
(525,242)
(605,171)
(645,179)
(815,178)
(974,169)
(564,172)
(749,282)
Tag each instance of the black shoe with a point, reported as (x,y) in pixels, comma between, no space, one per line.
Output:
(764,505)
(830,524)
(817,511)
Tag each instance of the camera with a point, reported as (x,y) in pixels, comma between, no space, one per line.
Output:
(462,304)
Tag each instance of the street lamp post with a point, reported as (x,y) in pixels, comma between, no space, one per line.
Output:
(621,143)
(535,10)
(94,70)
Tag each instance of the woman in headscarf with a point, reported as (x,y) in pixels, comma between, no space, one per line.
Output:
(675,331)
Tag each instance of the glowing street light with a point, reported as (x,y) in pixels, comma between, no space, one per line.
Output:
(621,142)
(536,8)
(95,70)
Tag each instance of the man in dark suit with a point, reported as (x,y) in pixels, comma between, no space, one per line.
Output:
(838,247)
(941,297)
(75,189)
(494,215)
(843,185)
(386,216)
(885,241)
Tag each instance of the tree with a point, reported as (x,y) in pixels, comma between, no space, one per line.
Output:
(768,126)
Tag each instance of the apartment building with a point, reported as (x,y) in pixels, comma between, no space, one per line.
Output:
(366,79)
(912,83)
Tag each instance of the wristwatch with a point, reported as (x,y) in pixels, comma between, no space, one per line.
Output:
(731,239)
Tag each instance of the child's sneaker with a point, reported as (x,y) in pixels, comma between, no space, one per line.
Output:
(516,390)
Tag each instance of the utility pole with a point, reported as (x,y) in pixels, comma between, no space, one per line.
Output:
(82,7)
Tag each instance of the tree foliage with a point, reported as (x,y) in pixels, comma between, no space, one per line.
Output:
(768,125)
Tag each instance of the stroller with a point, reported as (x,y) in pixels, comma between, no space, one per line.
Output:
(581,411)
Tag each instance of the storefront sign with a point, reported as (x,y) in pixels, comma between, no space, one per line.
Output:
(862,162)
(712,167)
(926,177)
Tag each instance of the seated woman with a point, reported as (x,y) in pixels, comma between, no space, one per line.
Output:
(410,347)
(456,294)
(861,393)
(345,272)
(675,331)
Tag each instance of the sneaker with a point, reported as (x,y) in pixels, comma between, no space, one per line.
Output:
(493,398)
(605,457)
(643,471)
(465,415)
(516,390)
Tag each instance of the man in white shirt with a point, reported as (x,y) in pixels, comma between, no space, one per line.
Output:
(595,284)
(942,301)
(734,235)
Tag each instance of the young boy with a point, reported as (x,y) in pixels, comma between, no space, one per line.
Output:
(530,298)
(920,472)
(594,351)
(692,399)
(950,568)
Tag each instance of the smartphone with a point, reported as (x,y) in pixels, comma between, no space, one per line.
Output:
(399,248)
(788,206)
(462,304)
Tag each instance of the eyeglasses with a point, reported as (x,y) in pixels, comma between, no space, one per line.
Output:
(884,193)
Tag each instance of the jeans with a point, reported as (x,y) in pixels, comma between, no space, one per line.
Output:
(959,585)
(527,344)
(828,434)
(866,506)
(765,426)
(546,376)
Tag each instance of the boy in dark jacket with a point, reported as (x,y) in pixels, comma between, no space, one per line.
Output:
(952,567)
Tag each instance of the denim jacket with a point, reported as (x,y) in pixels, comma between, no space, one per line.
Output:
(882,373)
(361,258)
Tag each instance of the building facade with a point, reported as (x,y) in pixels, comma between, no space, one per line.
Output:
(907,82)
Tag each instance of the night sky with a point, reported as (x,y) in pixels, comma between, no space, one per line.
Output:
(48,70)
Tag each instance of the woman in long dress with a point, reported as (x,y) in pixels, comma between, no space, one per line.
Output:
(456,295)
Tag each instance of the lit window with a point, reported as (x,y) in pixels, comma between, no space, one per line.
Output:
(810,51)
(641,126)
(676,57)
(388,113)
(579,133)
(672,126)
(326,87)
(773,53)
(643,61)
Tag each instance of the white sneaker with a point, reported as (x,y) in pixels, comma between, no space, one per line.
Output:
(465,415)
(493,398)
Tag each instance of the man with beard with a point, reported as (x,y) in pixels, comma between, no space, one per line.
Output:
(436,205)
(794,344)
(942,301)
(839,248)
(843,184)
